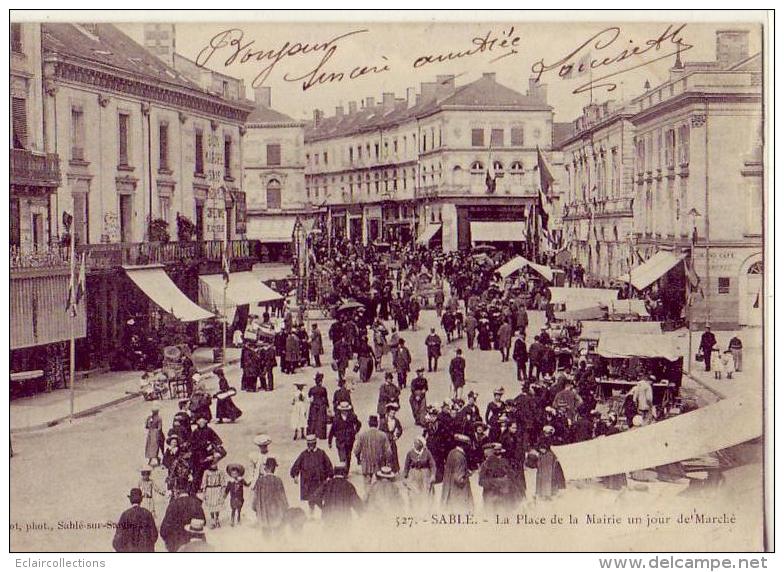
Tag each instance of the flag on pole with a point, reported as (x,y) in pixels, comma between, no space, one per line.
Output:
(76,288)
(545,171)
(490,175)
(581,68)
(226,263)
(694,283)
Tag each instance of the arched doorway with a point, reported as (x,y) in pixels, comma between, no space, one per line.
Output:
(750,295)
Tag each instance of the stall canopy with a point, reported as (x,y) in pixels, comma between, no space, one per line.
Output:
(595,329)
(497,231)
(575,298)
(720,425)
(519,262)
(428,234)
(159,288)
(624,345)
(631,306)
(243,288)
(266,229)
(652,269)
(587,313)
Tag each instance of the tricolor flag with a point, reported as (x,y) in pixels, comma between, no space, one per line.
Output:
(76,288)
(226,263)
(491,174)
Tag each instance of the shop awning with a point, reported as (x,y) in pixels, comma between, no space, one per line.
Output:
(267,229)
(595,329)
(623,345)
(575,298)
(497,231)
(243,288)
(720,425)
(159,288)
(428,234)
(652,269)
(544,271)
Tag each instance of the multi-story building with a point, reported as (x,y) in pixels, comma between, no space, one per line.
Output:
(39,276)
(598,193)
(690,185)
(274,178)
(147,154)
(416,167)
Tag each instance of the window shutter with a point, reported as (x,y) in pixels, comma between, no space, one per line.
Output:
(19,111)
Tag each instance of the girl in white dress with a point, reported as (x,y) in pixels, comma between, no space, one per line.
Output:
(299,411)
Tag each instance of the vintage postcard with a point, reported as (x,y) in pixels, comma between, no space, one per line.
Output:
(496,281)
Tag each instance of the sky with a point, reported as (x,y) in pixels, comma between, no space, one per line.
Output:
(401,55)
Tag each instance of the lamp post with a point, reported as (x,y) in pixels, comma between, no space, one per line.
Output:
(693,214)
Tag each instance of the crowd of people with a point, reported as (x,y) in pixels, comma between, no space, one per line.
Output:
(507,440)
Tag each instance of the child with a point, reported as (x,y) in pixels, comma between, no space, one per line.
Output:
(235,491)
(727,364)
(299,411)
(212,487)
(149,489)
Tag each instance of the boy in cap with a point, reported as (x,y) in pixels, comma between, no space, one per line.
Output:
(235,490)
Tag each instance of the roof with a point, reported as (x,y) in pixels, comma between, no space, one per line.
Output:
(562,131)
(484,92)
(264,114)
(106,45)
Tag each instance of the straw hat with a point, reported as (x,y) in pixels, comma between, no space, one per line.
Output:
(344,406)
(385,473)
(262,439)
(196,526)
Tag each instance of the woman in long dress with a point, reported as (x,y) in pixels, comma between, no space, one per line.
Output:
(225,407)
(155,440)
(390,425)
(419,472)
(319,404)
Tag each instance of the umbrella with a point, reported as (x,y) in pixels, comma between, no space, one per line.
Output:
(484,248)
(350,305)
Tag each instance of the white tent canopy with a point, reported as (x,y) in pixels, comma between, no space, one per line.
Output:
(519,262)
(159,288)
(717,426)
(595,329)
(652,269)
(630,306)
(623,345)
(428,233)
(575,298)
(243,288)
(269,229)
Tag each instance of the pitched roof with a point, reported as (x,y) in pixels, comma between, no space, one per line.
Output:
(262,114)
(484,92)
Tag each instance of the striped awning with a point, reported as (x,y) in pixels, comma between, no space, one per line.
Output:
(652,269)
(269,229)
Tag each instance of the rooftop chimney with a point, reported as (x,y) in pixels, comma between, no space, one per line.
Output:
(339,111)
(352,107)
(428,89)
(446,84)
(732,46)
(536,90)
(388,101)
(410,96)
(263,96)
(318,115)
(370,102)
(489,76)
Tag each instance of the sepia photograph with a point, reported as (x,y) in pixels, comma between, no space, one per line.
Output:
(390,281)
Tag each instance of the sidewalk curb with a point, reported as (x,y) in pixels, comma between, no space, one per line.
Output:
(713,390)
(98,408)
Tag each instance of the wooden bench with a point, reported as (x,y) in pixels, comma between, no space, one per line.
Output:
(24,382)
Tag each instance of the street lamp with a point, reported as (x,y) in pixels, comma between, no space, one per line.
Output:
(693,214)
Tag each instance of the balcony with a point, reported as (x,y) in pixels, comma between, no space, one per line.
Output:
(617,207)
(33,169)
(110,256)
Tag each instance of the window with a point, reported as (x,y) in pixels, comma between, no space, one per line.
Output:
(16,38)
(227,157)
(394,146)
(351,155)
(359,152)
(724,285)
(669,149)
(477,138)
(518,139)
(377,150)
(326,158)
(19,111)
(165,207)
(37,226)
(225,89)
(77,134)
(498,166)
(477,167)
(516,167)
(123,120)
(683,145)
(15,233)
(80,218)
(273,194)
(126,218)
(273,154)
(163,146)
(199,152)
(497,137)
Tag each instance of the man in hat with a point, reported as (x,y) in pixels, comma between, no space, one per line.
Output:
(337,498)
(504,339)
(568,400)
(520,355)
(418,398)
(316,345)
(456,491)
(707,344)
(269,499)
(344,431)
(136,530)
(535,358)
(198,539)
(384,495)
(500,486)
(402,363)
(372,449)
(457,373)
(388,392)
(311,468)
(433,344)
(251,364)
(181,510)
(642,395)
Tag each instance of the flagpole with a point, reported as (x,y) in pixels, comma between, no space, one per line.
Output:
(72,356)
(225,288)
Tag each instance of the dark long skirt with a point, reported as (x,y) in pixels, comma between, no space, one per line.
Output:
(226,409)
